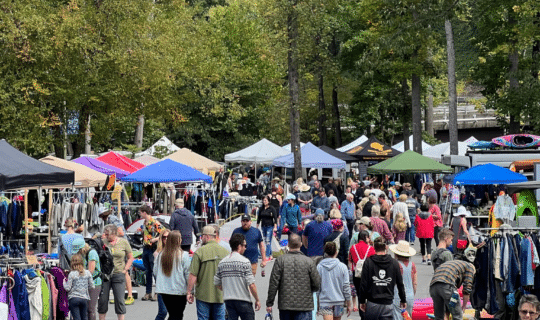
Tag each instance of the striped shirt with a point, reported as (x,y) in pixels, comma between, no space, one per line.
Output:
(234,275)
(456,273)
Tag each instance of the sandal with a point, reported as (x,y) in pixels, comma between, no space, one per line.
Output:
(355,309)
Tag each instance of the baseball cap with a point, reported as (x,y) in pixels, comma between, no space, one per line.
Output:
(365,221)
(77,245)
(245,216)
(209,230)
(319,211)
(290,196)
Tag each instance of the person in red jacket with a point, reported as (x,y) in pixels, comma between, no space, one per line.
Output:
(360,251)
(425,228)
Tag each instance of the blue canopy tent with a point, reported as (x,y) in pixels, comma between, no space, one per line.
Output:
(167,171)
(488,174)
(312,157)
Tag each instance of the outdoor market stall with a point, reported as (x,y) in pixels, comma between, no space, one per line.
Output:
(117,160)
(147,159)
(353,144)
(163,145)
(18,171)
(262,152)
(400,146)
(437,151)
(312,157)
(84,176)
(102,167)
(409,162)
(195,160)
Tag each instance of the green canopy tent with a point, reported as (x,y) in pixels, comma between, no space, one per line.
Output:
(409,162)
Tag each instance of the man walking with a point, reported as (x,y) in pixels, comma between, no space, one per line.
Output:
(314,234)
(446,279)
(254,240)
(183,221)
(201,276)
(235,279)
(380,274)
(442,254)
(151,229)
(321,202)
(296,278)
(414,209)
(348,212)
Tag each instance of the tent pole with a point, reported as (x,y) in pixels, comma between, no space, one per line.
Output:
(25,221)
(120,204)
(49,243)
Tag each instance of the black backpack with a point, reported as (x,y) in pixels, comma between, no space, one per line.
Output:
(105,258)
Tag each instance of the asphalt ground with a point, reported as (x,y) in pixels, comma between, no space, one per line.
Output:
(148,309)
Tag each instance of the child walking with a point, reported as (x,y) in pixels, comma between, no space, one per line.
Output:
(425,229)
(78,282)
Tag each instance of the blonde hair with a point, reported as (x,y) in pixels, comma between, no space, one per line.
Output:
(160,244)
(375,211)
(403,198)
(335,214)
(84,250)
(77,263)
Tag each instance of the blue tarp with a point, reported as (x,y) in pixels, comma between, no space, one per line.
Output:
(488,174)
(312,157)
(167,171)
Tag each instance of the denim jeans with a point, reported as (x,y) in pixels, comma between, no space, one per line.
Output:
(410,235)
(176,304)
(239,309)
(148,262)
(294,315)
(268,232)
(78,308)
(207,311)
(162,309)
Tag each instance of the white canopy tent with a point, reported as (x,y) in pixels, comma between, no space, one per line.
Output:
(263,152)
(401,146)
(471,140)
(163,142)
(288,147)
(435,152)
(353,144)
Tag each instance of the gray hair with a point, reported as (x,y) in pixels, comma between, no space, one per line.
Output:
(372,198)
(111,229)
(375,211)
(531,299)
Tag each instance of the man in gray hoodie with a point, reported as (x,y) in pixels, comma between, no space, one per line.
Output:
(183,221)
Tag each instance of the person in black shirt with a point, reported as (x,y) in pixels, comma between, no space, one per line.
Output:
(268,219)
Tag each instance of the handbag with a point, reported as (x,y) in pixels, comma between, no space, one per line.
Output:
(461,243)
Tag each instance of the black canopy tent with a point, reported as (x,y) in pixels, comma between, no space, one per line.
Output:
(338,154)
(373,150)
(18,170)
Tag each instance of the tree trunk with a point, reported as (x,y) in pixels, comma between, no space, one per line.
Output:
(452,91)
(322,110)
(292,56)
(88,137)
(536,51)
(429,114)
(513,126)
(337,120)
(139,132)
(405,115)
(416,114)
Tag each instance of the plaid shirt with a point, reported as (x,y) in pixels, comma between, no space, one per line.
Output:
(152,228)
(380,226)
(456,273)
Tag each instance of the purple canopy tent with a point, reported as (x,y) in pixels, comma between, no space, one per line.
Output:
(102,167)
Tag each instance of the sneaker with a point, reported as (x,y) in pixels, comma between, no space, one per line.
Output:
(147,297)
(129,301)
(428,262)
(423,261)
(111,301)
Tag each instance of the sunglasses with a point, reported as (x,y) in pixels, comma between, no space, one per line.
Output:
(527,312)
(164,237)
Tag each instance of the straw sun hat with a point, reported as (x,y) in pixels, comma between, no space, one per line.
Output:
(403,248)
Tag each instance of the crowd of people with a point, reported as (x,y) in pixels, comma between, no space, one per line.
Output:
(336,262)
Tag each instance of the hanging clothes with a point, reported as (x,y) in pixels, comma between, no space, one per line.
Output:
(45,295)
(505,208)
(34,297)
(20,296)
(6,297)
(54,296)
(62,305)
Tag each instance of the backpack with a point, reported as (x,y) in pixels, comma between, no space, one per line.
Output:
(63,260)
(337,241)
(105,258)
(360,263)
(400,225)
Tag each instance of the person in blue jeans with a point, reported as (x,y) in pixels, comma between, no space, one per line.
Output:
(254,242)
(414,209)
(268,219)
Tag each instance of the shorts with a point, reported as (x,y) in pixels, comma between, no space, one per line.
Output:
(337,311)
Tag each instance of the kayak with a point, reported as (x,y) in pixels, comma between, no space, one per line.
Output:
(520,141)
(482,145)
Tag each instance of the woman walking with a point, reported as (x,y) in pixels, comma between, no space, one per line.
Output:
(360,252)
(91,263)
(400,218)
(70,236)
(437,218)
(403,252)
(459,227)
(335,292)
(77,285)
(425,227)
(162,310)
(172,271)
(268,218)
(121,252)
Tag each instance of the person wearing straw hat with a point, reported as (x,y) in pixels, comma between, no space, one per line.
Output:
(403,252)
(380,274)
(459,227)
(305,198)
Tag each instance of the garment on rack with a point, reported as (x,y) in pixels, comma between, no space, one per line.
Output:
(505,208)
(62,294)
(54,296)
(6,297)
(20,297)
(33,285)
(45,294)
